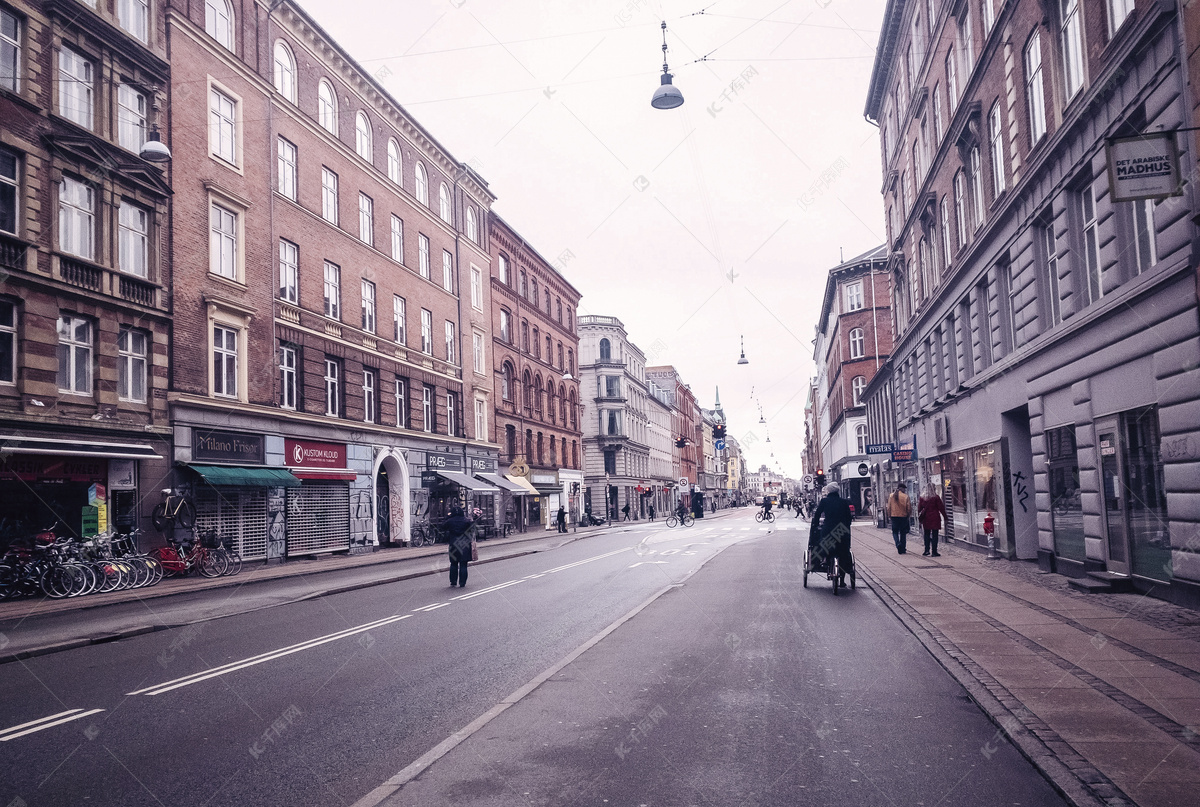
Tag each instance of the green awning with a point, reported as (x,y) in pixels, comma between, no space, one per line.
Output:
(246,477)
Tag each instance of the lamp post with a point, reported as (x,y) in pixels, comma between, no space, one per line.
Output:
(667,96)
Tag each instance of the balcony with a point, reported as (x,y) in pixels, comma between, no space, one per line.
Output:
(78,273)
(87,275)
(12,253)
(137,291)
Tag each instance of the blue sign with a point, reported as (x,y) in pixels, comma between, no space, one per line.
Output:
(719,445)
(880,448)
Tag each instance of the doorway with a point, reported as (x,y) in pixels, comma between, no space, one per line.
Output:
(1135,507)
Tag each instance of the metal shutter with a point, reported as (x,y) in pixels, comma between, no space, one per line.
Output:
(318,518)
(239,514)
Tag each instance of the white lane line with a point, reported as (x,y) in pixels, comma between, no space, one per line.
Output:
(534,576)
(74,714)
(745,529)
(727,529)
(435,607)
(481,592)
(587,560)
(233,666)
(428,607)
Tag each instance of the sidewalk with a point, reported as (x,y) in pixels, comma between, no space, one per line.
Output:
(1102,692)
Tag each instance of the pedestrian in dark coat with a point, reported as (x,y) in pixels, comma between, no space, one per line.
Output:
(461,536)
(931,512)
(625,511)
(562,518)
(830,532)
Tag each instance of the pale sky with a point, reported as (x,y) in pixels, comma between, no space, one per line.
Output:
(693,225)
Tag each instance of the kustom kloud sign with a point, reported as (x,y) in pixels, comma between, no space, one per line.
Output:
(1143,167)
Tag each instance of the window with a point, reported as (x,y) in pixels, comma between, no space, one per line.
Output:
(423,255)
(1145,246)
(1118,12)
(397,239)
(362,136)
(10,51)
(8,191)
(946,251)
(218,22)
(1092,289)
(521,287)
(289,272)
(856,387)
(612,386)
(860,438)
(329,196)
(370,388)
(605,350)
(506,382)
(76,218)
(133,240)
(472,225)
(966,36)
(399,320)
(854,296)
(333,290)
(916,164)
(333,388)
(131,365)
(558,303)
(327,111)
(223,243)
(131,117)
(225,361)
(989,17)
(610,462)
(447,272)
(1072,46)
(506,330)
(285,71)
(574,411)
(451,351)
(939,124)
(75,77)
(951,81)
(222,126)
(857,343)
(287,377)
(451,414)
(476,288)
(477,352)
(502,268)
(923,263)
(427,409)
(8,342)
(401,403)
(996,146)
(480,419)
(976,183)
(427,332)
(366,219)
(368,306)
(395,165)
(1035,93)
(74,355)
(570,361)
(537,340)
(422,182)
(1052,312)
(533,292)
(287,169)
(444,204)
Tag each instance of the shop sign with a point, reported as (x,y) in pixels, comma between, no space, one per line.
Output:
(863,470)
(43,468)
(96,493)
(429,479)
(91,521)
(1143,167)
(483,465)
(904,455)
(880,448)
(544,479)
(443,462)
(122,474)
(244,449)
(311,454)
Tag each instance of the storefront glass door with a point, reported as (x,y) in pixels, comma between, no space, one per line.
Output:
(1135,506)
(1066,501)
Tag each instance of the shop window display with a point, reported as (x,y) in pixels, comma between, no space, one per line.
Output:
(1066,503)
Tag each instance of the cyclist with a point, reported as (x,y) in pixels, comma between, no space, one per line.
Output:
(830,532)
(766,511)
(681,511)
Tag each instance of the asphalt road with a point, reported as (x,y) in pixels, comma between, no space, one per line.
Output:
(747,689)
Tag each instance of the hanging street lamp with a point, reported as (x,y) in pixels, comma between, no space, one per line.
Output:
(742,359)
(667,96)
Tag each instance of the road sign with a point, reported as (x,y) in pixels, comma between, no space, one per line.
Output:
(808,481)
(719,445)
(863,470)
(683,482)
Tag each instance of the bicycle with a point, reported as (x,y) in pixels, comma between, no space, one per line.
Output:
(674,519)
(178,559)
(422,535)
(762,516)
(176,510)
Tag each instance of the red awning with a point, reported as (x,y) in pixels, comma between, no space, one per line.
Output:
(342,474)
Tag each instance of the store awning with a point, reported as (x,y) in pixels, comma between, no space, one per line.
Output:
(246,477)
(338,474)
(502,483)
(18,444)
(467,482)
(523,483)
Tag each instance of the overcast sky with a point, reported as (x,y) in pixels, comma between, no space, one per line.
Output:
(693,225)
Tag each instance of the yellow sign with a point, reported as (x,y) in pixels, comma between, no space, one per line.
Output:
(102,517)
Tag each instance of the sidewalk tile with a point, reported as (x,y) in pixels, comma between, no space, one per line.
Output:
(1164,794)
(1184,711)
(1016,672)
(1130,764)
(1084,715)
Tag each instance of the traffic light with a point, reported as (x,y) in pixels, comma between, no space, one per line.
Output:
(719,431)
(820,479)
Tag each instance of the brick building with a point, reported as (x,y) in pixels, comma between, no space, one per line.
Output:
(84,268)
(331,378)
(537,411)
(1046,334)
(685,427)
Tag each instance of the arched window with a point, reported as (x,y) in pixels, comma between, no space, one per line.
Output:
(422,184)
(506,373)
(444,204)
(285,71)
(574,454)
(549,351)
(574,410)
(552,410)
(506,328)
(561,363)
(537,343)
(570,361)
(529,445)
(362,136)
(218,21)
(860,437)
(528,393)
(394,163)
(472,225)
(553,452)
(540,445)
(510,441)
(570,327)
(537,395)
(857,343)
(524,336)
(562,404)
(559,303)
(605,350)
(327,112)
(521,287)
(857,386)
(502,268)
(533,292)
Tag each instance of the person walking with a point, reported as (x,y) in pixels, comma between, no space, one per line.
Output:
(562,518)
(651,511)
(899,508)
(931,511)
(460,531)
(625,512)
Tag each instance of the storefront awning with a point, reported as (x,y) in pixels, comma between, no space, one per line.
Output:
(246,477)
(467,482)
(502,483)
(523,483)
(17,444)
(340,474)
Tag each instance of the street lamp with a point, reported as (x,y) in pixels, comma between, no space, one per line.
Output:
(667,96)
(154,150)
(742,359)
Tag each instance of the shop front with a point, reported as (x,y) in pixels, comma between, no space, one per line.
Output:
(971,484)
(445,484)
(543,508)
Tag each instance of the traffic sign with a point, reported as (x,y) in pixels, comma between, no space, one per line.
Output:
(719,445)
(683,482)
(863,470)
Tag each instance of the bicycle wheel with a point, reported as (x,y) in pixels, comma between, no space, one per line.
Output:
(156,570)
(771,517)
(55,582)
(758,516)
(169,561)
(233,561)
(689,521)
(109,574)
(672,521)
(159,517)
(835,575)
(211,564)
(185,515)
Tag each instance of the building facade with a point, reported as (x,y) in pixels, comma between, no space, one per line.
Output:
(537,413)
(663,474)
(85,268)
(686,452)
(1046,333)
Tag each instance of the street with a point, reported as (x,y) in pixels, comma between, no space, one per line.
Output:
(735,686)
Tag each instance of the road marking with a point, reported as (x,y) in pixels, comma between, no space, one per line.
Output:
(483,591)
(234,666)
(437,606)
(44,723)
(534,576)
(745,529)
(587,560)
(727,529)
(429,607)
(646,563)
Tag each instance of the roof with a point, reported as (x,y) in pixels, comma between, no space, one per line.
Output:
(885,51)
(878,255)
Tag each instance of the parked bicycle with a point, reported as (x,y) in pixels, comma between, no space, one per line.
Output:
(178,559)
(176,510)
